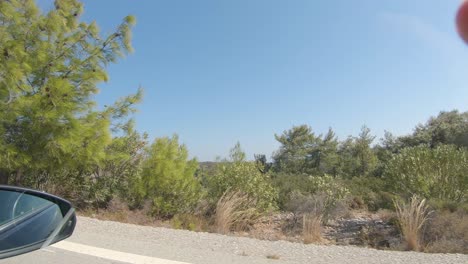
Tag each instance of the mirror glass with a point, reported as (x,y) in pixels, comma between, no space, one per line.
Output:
(16,204)
(26,220)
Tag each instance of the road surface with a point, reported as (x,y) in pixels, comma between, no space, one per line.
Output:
(104,242)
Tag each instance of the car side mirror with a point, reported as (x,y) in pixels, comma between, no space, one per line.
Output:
(31,220)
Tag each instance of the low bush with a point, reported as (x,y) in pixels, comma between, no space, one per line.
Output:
(118,210)
(447,205)
(368,193)
(447,232)
(317,204)
(313,210)
(238,174)
(288,184)
(432,173)
(447,246)
(189,222)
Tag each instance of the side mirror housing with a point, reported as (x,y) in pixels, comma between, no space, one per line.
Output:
(31,220)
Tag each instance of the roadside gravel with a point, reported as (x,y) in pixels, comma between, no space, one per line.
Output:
(208,248)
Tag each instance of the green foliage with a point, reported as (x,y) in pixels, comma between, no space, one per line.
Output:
(371,191)
(440,173)
(238,174)
(446,205)
(187,222)
(316,204)
(262,164)
(54,138)
(301,151)
(124,157)
(356,155)
(328,185)
(97,185)
(168,178)
(296,144)
(319,197)
(287,184)
(51,64)
(448,128)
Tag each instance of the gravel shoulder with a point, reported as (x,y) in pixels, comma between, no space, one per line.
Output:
(195,247)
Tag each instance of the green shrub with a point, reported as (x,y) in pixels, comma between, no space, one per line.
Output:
(305,184)
(319,204)
(444,205)
(370,190)
(189,222)
(237,174)
(167,178)
(329,185)
(302,193)
(286,183)
(438,173)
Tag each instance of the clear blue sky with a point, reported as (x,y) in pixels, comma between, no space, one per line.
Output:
(217,71)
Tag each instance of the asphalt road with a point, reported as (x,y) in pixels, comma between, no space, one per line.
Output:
(101,242)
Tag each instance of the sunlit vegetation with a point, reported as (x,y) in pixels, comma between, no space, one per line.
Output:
(54,138)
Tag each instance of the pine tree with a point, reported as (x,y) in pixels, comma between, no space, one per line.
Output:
(50,66)
(304,152)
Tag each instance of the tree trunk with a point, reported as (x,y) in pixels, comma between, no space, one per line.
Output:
(4,176)
(19,177)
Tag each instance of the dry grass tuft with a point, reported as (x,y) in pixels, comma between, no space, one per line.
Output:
(312,228)
(411,217)
(234,211)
